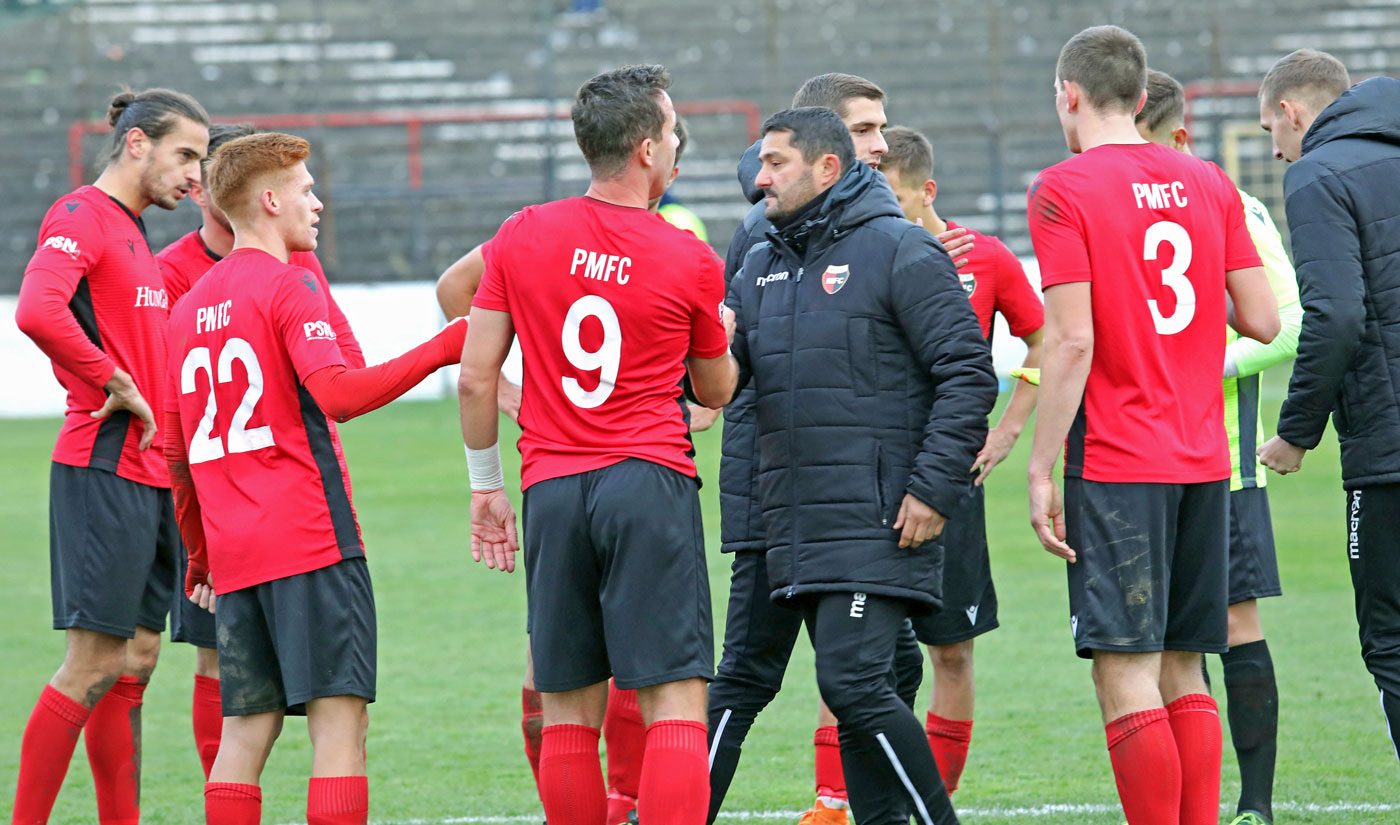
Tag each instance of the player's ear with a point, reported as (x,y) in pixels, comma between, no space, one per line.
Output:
(1294,112)
(930,192)
(648,152)
(268,200)
(198,195)
(137,142)
(1142,101)
(1180,138)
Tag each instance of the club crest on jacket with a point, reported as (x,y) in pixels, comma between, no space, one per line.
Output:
(835,277)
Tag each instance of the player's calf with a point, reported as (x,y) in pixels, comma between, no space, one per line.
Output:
(675,786)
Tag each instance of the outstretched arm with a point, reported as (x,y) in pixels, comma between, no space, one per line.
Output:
(344,394)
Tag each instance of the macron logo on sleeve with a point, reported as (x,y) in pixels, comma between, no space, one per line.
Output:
(318,331)
(62,244)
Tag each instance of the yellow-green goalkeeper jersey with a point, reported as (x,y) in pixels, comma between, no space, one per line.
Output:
(1245,358)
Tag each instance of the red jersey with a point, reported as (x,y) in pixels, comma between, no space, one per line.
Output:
(995,282)
(1154,231)
(184,261)
(608,302)
(93,300)
(266,463)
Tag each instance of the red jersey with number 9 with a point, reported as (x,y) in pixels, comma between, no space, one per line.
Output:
(271,481)
(1154,231)
(608,301)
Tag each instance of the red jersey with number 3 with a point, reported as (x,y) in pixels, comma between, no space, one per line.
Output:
(1154,231)
(608,301)
(271,481)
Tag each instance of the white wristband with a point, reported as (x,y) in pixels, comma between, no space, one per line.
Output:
(484,467)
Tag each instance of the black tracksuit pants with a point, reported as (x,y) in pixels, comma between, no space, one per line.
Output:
(758,640)
(1373,551)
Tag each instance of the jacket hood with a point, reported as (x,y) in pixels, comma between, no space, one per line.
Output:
(1370,110)
(860,195)
(749,165)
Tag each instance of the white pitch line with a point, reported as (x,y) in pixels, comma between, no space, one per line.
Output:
(996,811)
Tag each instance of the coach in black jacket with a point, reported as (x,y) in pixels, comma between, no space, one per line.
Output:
(873,387)
(1343,201)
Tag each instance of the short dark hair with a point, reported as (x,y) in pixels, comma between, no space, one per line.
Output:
(1108,63)
(834,90)
(615,111)
(221,133)
(153,111)
(910,154)
(682,138)
(1166,103)
(1316,77)
(816,131)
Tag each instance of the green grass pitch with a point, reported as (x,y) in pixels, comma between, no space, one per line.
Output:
(445,734)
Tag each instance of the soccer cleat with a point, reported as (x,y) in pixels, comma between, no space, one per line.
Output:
(1251,818)
(1029,375)
(820,814)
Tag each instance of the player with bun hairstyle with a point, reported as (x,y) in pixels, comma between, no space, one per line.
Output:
(93,301)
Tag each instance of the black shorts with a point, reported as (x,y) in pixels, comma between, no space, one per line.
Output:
(615,579)
(285,642)
(969,598)
(112,546)
(188,621)
(1151,570)
(1253,562)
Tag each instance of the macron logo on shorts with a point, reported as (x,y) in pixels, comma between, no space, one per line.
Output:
(62,244)
(858,606)
(1074,627)
(972,613)
(318,331)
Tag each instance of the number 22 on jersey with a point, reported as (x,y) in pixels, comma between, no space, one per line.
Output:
(240,439)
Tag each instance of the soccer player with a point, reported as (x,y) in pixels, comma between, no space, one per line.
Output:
(1250,688)
(262,494)
(759,636)
(182,263)
(612,306)
(93,301)
(1138,245)
(994,282)
(624,734)
(1340,196)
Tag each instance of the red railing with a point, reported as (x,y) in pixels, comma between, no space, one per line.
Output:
(411,121)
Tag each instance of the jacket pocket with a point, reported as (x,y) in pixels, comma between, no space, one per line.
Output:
(863,355)
(880,501)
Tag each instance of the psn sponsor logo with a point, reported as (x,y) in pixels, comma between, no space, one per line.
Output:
(318,331)
(62,244)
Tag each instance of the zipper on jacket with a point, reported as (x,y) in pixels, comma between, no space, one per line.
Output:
(880,484)
(799,280)
(792,441)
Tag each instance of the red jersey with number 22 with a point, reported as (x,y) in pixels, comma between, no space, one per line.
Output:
(271,481)
(1154,231)
(608,301)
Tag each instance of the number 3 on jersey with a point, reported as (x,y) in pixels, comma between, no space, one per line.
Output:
(1173,277)
(606,358)
(240,439)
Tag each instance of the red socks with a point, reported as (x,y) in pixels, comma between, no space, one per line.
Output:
(831,782)
(1195,723)
(571,776)
(112,736)
(47,748)
(531,723)
(949,740)
(229,803)
(208,715)
(625,737)
(675,775)
(337,800)
(1146,767)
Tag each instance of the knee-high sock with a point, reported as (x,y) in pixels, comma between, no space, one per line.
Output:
(831,780)
(1252,693)
(1146,767)
(949,739)
(337,800)
(230,803)
(208,718)
(1195,723)
(626,739)
(113,739)
(531,723)
(47,747)
(675,787)
(571,776)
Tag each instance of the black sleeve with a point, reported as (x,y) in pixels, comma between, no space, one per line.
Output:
(739,348)
(941,327)
(1327,257)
